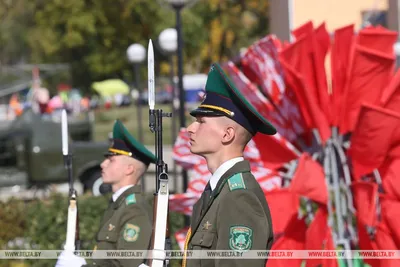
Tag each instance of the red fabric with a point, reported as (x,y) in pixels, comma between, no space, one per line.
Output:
(314,45)
(274,152)
(293,239)
(259,101)
(370,71)
(340,58)
(390,172)
(285,101)
(365,243)
(377,38)
(283,204)
(391,95)
(384,241)
(303,29)
(323,38)
(365,196)
(300,55)
(309,180)
(329,246)
(375,132)
(311,112)
(321,43)
(390,212)
(316,234)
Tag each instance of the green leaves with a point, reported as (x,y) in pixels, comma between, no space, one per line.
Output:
(93,35)
(42,224)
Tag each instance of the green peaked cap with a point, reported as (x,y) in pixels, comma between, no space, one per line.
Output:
(222,98)
(125,144)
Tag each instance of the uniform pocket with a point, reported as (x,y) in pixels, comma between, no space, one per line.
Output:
(203,239)
(107,236)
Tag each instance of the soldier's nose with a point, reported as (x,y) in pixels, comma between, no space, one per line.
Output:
(190,128)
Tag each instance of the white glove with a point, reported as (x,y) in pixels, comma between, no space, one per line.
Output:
(143,265)
(69,259)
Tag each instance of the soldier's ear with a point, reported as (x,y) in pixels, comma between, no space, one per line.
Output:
(229,135)
(130,168)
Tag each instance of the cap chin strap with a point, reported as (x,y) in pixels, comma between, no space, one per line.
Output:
(120,152)
(227,112)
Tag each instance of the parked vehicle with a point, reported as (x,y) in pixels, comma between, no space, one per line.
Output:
(31,154)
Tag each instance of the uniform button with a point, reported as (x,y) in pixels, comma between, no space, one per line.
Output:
(107,237)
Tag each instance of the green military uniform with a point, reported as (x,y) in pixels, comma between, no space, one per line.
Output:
(235,216)
(127,222)
(126,225)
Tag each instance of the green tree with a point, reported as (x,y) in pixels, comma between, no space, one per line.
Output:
(231,25)
(93,35)
(16,16)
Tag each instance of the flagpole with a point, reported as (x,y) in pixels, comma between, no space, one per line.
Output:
(337,199)
(328,175)
(347,179)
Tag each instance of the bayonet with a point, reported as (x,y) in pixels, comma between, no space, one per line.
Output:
(72,237)
(160,236)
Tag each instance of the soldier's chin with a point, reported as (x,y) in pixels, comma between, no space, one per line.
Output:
(195,151)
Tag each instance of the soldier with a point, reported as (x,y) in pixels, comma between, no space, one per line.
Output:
(232,213)
(127,223)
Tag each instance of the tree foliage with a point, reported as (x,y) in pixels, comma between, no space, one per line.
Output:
(93,35)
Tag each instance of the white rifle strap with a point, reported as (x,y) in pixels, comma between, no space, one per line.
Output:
(158,253)
(71,226)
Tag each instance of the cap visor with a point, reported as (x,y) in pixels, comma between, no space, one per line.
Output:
(206,112)
(109,154)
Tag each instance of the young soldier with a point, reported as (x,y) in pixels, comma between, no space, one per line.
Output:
(232,213)
(127,223)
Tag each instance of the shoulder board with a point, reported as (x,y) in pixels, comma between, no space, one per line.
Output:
(236,182)
(131,199)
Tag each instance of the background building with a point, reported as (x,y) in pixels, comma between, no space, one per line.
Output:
(289,14)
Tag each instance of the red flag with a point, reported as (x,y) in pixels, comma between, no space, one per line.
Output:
(323,38)
(373,136)
(390,172)
(365,243)
(322,43)
(370,70)
(312,66)
(390,212)
(329,245)
(391,95)
(303,29)
(293,239)
(340,59)
(286,101)
(283,204)
(309,180)
(260,102)
(365,195)
(377,38)
(298,63)
(316,234)
(384,241)
(275,150)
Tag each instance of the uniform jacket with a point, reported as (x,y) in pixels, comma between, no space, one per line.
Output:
(126,225)
(236,218)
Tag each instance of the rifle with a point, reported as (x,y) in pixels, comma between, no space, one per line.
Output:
(160,237)
(72,239)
